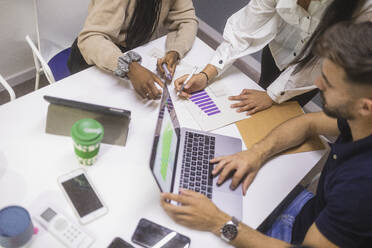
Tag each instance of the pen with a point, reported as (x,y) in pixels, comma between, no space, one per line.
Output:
(168,75)
(187,80)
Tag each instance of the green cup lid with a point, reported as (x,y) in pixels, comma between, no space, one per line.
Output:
(87,131)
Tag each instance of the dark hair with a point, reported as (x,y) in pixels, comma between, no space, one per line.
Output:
(143,23)
(349,46)
(337,11)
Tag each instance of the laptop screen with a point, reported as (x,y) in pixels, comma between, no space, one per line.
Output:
(164,150)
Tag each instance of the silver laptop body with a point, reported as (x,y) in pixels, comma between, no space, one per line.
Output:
(180,159)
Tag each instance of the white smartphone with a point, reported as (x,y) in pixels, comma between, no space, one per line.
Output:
(83,197)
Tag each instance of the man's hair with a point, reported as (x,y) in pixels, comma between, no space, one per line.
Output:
(349,46)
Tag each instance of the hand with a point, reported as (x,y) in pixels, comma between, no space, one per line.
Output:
(196,211)
(144,81)
(251,101)
(244,166)
(170,59)
(196,82)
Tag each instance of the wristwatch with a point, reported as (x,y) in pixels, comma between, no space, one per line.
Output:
(229,230)
(124,62)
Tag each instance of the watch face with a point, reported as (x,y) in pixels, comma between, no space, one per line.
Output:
(229,231)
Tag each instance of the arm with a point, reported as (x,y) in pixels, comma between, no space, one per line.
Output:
(247,31)
(314,238)
(198,212)
(101,29)
(246,164)
(182,25)
(289,85)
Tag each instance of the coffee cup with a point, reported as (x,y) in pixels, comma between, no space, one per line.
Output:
(87,135)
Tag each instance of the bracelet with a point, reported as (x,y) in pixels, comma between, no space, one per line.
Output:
(206,75)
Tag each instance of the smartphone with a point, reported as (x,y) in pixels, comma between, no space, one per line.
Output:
(148,234)
(119,243)
(82,196)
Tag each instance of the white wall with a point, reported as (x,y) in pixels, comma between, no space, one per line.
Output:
(16,21)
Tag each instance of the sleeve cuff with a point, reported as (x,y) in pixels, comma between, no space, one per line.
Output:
(220,64)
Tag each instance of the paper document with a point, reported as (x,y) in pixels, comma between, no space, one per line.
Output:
(210,107)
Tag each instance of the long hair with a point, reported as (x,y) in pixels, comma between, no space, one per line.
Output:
(143,23)
(337,11)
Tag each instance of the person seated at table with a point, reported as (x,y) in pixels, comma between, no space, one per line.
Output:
(339,215)
(113,27)
(286,30)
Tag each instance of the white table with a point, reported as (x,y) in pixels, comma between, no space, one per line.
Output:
(31,160)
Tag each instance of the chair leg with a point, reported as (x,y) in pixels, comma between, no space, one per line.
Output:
(37,79)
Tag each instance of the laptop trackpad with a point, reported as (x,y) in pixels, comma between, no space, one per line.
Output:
(225,187)
(229,203)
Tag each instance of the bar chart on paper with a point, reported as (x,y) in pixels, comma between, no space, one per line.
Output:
(210,108)
(205,103)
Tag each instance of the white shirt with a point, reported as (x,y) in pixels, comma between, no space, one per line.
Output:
(286,27)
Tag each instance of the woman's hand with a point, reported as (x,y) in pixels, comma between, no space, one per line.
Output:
(170,60)
(196,211)
(144,81)
(244,166)
(251,101)
(197,82)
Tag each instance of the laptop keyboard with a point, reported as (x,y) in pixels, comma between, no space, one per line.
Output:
(195,175)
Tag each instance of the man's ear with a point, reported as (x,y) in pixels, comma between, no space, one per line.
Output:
(365,107)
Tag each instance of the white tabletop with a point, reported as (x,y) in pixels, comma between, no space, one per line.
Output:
(31,160)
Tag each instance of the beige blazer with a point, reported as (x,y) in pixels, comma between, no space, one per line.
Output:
(108,21)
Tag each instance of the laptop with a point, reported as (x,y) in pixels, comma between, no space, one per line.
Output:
(180,159)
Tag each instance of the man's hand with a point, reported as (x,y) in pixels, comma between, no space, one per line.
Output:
(196,82)
(244,166)
(251,101)
(196,211)
(170,60)
(144,81)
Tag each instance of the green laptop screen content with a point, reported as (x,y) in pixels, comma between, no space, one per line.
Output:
(166,152)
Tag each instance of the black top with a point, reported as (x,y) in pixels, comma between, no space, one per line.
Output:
(342,207)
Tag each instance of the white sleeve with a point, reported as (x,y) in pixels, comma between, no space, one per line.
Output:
(289,85)
(247,31)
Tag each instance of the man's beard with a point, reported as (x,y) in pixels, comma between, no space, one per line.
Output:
(338,112)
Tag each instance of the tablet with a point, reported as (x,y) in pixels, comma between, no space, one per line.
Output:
(88,106)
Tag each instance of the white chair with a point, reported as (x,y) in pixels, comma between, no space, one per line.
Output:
(8,88)
(58,23)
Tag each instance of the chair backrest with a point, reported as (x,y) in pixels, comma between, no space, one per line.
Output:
(58,23)
(8,88)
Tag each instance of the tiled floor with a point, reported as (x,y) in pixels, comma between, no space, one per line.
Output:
(22,89)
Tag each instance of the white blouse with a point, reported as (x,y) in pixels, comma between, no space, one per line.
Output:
(286,27)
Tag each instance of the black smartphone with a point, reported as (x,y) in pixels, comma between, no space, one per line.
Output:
(148,234)
(119,243)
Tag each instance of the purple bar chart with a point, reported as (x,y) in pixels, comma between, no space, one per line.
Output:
(204,102)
